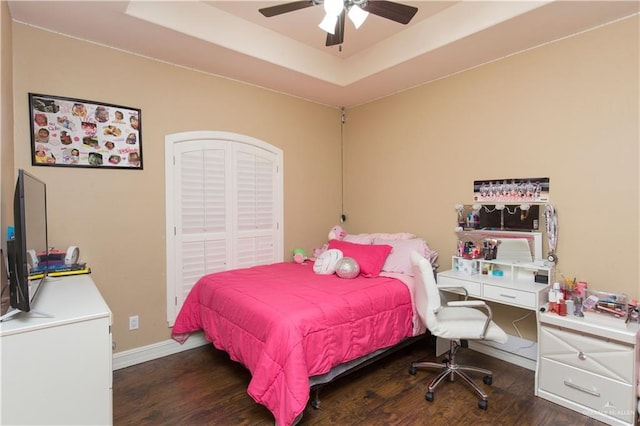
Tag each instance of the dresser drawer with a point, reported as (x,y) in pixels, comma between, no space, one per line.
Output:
(473,288)
(610,359)
(594,392)
(510,296)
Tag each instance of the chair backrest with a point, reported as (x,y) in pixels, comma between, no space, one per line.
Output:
(427,295)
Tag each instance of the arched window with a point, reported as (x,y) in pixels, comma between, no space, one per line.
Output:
(223,207)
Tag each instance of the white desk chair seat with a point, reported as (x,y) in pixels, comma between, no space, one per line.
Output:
(458,321)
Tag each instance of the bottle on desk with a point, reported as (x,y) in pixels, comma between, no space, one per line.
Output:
(562,307)
(556,298)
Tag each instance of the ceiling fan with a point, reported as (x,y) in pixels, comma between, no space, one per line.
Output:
(336,10)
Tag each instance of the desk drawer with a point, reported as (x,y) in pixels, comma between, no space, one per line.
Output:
(590,390)
(596,355)
(510,296)
(473,288)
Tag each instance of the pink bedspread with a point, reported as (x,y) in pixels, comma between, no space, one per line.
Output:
(286,323)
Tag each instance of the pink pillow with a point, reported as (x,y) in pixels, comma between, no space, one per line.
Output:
(370,258)
(399,260)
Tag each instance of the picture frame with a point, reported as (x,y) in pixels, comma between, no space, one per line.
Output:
(69,132)
(527,190)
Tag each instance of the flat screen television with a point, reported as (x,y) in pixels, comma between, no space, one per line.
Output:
(29,248)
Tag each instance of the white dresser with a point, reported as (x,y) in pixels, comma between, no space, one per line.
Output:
(57,370)
(588,367)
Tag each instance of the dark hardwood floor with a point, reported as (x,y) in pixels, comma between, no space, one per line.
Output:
(203,386)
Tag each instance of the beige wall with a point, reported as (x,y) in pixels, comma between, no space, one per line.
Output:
(568,111)
(117,217)
(6,132)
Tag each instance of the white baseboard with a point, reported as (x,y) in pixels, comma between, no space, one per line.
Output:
(157,350)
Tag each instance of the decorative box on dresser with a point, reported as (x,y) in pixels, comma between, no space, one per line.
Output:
(589,367)
(58,369)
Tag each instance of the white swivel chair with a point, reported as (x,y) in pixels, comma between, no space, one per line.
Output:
(459,321)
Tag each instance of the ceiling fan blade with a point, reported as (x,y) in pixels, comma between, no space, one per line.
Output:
(395,11)
(286,8)
(338,36)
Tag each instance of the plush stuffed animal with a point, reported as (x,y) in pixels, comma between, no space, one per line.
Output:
(299,255)
(336,233)
(317,252)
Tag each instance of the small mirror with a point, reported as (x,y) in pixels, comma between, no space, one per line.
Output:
(505,217)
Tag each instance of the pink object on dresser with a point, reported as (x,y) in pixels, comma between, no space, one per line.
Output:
(285,323)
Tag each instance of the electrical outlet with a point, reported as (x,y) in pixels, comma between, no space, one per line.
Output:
(133,322)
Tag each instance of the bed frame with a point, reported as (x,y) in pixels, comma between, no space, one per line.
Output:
(341,370)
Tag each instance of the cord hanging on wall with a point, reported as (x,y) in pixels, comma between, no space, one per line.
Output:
(343,119)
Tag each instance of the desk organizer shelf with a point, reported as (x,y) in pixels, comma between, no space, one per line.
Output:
(515,285)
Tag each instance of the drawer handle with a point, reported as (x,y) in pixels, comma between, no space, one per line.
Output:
(581,356)
(507,295)
(583,389)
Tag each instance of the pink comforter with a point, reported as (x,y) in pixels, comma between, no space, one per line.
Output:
(286,323)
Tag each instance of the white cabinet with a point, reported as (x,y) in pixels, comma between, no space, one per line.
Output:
(588,367)
(515,285)
(58,369)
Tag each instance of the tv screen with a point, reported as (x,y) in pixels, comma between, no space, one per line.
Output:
(29,247)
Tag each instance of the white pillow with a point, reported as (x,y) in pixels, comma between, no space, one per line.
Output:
(326,263)
(394,237)
(358,239)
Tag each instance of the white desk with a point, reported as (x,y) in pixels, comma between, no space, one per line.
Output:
(58,370)
(516,287)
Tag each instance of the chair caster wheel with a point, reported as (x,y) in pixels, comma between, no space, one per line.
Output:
(484,404)
(412,370)
(429,396)
(315,404)
(487,380)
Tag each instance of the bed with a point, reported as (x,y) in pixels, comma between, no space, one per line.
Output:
(294,329)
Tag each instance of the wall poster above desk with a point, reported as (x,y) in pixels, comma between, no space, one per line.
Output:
(505,191)
(71,132)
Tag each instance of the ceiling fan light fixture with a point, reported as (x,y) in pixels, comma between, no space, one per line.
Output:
(357,15)
(336,12)
(333,7)
(328,24)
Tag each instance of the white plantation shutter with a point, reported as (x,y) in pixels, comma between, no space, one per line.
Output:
(201,228)
(224,208)
(256,180)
